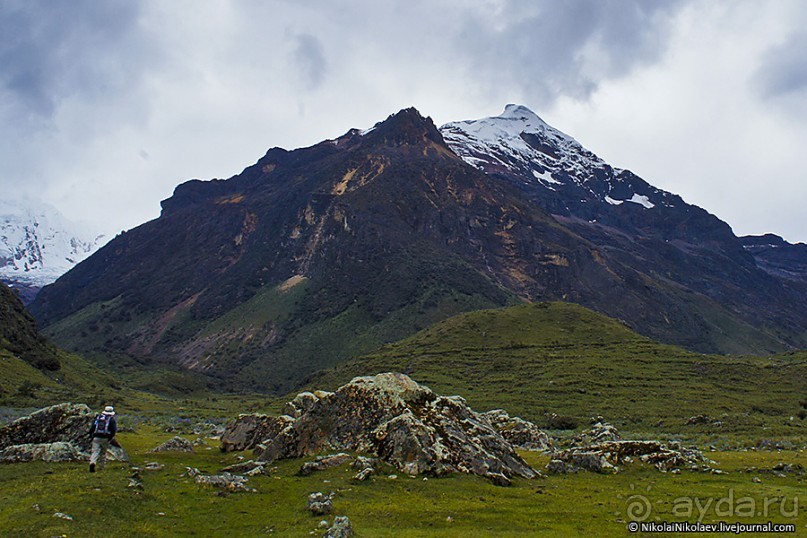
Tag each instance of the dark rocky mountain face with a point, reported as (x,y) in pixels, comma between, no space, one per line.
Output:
(314,255)
(785,261)
(19,334)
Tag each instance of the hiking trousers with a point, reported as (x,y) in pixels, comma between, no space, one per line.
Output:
(99,448)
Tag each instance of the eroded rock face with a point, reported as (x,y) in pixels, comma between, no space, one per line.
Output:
(406,425)
(519,432)
(248,430)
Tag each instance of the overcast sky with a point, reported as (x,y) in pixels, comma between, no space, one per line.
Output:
(107,105)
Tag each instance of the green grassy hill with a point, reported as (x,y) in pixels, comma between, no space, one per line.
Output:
(540,359)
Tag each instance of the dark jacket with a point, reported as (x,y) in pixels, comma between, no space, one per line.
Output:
(112,428)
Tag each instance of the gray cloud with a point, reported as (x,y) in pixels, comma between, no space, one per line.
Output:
(309,60)
(106,105)
(565,48)
(784,68)
(51,51)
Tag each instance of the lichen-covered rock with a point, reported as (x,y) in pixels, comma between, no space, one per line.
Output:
(519,432)
(341,528)
(324,462)
(320,504)
(605,457)
(49,452)
(175,444)
(599,432)
(66,422)
(45,434)
(229,482)
(303,402)
(405,424)
(248,430)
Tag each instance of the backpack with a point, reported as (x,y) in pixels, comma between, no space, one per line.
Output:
(102,424)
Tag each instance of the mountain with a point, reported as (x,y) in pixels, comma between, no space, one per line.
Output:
(312,256)
(777,257)
(38,245)
(713,285)
(19,334)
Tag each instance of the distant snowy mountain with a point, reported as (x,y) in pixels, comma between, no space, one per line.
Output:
(38,245)
(545,162)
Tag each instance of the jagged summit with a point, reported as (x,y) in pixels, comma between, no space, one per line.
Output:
(38,244)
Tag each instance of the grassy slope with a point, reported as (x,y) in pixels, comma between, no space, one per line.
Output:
(173,505)
(560,358)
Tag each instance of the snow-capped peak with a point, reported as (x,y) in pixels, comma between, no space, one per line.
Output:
(38,244)
(518,137)
(520,146)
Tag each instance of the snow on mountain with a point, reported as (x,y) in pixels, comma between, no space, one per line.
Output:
(38,244)
(521,146)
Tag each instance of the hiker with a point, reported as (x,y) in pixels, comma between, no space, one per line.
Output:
(103,429)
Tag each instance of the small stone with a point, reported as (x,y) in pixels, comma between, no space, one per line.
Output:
(175,444)
(324,524)
(36,508)
(364,474)
(393,477)
(756,480)
(320,504)
(60,515)
(341,528)
(449,519)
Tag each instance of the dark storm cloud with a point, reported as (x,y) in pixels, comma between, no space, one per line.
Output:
(784,68)
(309,59)
(566,48)
(54,50)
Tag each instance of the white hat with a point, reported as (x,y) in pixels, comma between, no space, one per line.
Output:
(109,410)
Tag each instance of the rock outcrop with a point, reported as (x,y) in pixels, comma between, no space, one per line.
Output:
(248,430)
(56,433)
(404,424)
(601,450)
(600,431)
(519,432)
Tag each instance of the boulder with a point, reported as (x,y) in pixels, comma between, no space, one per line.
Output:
(49,452)
(519,432)
(341,528)
(600,431)
(66,422)
(324,462)
(404,424)
(249,430)
(43,435)
(175,444)
(229,482)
